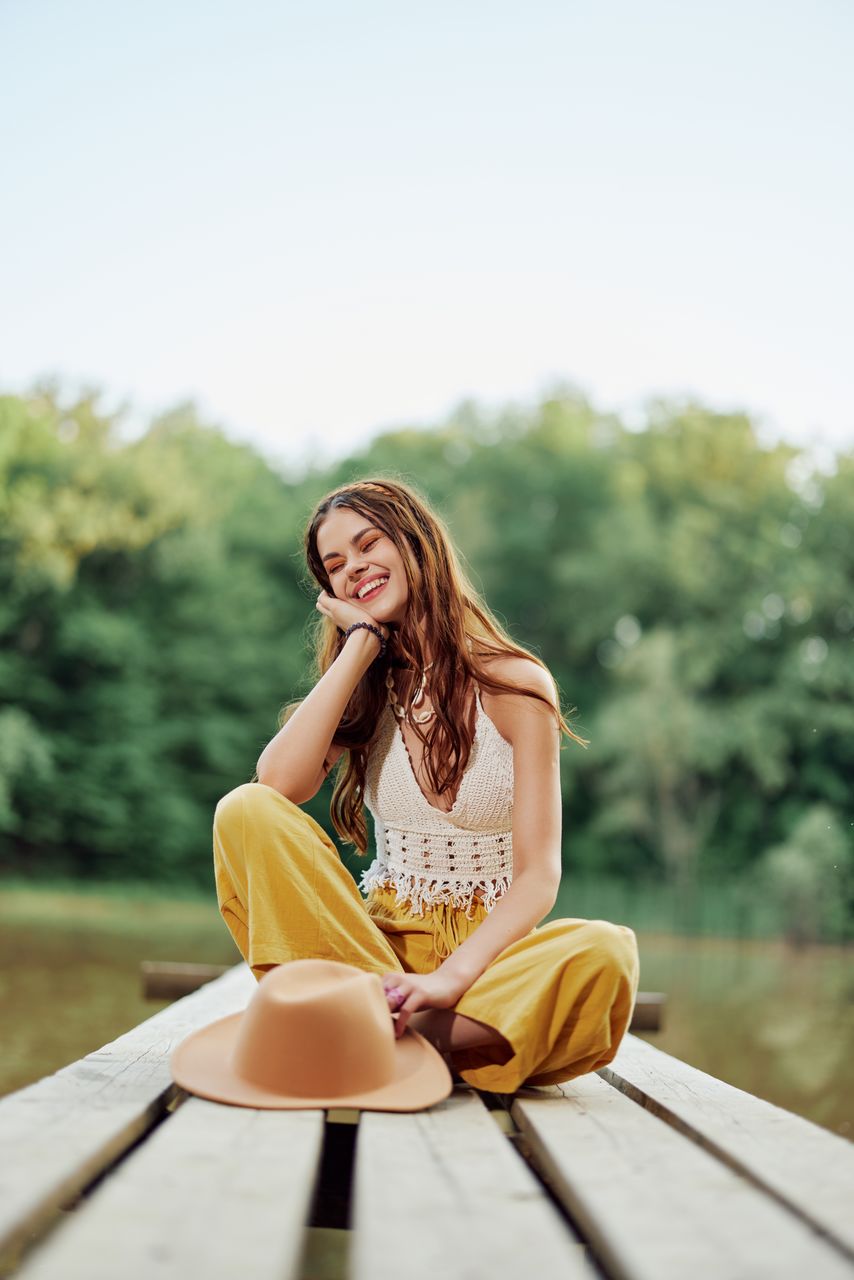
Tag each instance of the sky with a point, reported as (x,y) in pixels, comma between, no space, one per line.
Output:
(321,220)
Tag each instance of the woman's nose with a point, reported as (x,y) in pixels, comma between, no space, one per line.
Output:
(356,570)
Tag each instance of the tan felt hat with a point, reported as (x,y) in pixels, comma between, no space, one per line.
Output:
(316,1033)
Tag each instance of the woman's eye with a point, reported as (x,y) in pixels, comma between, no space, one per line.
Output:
(366,546)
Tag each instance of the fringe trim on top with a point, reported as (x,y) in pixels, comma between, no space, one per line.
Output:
(416,893)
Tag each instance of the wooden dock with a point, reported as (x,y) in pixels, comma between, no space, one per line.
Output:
(645,1170)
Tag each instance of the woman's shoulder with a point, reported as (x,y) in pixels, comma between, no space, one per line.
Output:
(521,672)
(507,710)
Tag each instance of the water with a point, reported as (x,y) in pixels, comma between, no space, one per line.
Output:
(776,1021)
(69,970)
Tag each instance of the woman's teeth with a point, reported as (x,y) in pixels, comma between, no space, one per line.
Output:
(372,591)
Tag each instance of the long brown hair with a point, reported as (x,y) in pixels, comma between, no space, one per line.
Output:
(460,631)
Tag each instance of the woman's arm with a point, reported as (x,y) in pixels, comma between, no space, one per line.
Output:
(297,759)
(531,729)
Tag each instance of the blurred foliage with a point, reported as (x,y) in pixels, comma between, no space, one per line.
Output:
(689,587)
(809,876)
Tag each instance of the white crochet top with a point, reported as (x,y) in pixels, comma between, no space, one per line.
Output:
(427,855)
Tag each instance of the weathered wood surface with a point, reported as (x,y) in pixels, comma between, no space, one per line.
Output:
(214,1192)
(58,1134)
(664,1170)
(807,1167)
(442,1193)
(655,1205)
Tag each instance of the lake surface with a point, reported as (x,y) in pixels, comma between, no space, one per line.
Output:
(776,1021)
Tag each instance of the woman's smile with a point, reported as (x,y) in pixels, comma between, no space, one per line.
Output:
(362,596)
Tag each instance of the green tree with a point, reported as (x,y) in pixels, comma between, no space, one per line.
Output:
(690,588)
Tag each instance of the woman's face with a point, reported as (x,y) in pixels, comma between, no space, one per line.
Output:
(355,553)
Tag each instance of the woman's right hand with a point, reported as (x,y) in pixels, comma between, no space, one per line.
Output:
(344,612)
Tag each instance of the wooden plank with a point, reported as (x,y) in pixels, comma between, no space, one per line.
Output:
(169,979)
(442,1193)
(655,1206)
(648,1011)
(806,1167)
(215,1191)
(58,1134)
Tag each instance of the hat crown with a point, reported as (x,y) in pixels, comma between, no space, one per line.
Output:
(316,1028)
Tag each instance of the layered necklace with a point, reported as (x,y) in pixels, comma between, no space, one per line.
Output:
(417,699)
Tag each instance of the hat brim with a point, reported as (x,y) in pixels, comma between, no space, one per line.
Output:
(201,1064)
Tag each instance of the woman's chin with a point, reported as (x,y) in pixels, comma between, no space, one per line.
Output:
(387,612)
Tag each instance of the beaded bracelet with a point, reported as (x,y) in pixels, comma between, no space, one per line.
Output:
(368,627)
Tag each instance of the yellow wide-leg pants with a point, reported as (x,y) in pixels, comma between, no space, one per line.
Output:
(562,996)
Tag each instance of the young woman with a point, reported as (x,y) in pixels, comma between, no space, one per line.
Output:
(449,733)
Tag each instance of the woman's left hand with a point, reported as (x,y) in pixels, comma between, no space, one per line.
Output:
(418,991)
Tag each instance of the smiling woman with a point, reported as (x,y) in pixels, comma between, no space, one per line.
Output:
(449,733)
(375,557)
